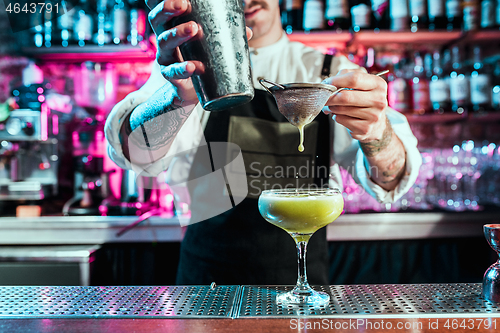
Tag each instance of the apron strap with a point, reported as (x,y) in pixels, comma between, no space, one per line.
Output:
(327,64)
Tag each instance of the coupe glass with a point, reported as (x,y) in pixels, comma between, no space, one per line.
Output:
(301,212)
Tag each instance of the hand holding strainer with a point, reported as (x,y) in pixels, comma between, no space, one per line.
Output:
(300,103)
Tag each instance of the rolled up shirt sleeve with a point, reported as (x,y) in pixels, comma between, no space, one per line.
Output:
(402,129)
(114,123)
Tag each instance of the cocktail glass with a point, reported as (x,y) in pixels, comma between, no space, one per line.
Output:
(301,212)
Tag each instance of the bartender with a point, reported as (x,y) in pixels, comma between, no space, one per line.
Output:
(159,127)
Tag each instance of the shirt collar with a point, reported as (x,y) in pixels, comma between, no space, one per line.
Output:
(279,45)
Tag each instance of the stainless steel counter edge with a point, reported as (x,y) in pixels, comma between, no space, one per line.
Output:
(100,230)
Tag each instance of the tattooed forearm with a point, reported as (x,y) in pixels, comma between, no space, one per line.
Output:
(159,131)
(387,159)
(374,147)
(395,170)
(150,129)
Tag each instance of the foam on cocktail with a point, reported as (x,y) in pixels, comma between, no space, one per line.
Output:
(300,213)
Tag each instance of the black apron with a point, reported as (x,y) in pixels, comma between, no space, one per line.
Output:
(238,246)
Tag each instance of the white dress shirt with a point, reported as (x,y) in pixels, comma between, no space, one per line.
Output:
(281,62)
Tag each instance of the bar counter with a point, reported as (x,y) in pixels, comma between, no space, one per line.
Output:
(353,308)
(61,230)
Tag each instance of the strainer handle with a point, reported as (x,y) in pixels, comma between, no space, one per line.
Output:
(269,82)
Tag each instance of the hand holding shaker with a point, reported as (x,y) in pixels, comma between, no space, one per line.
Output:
(222,47)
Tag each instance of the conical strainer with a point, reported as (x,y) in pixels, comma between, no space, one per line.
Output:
(300,103)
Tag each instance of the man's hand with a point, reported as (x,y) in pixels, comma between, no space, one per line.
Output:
(173,67)
(361,110)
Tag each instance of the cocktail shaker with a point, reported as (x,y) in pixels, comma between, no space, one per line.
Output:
(222,47)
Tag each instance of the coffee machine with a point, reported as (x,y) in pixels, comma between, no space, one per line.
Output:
(91,181)
(28,155)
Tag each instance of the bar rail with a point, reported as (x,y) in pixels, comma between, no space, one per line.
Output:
(445,307)
(365,226)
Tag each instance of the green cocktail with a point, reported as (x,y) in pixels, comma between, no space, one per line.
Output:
(300,213)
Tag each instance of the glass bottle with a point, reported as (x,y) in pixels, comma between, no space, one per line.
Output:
(337,15)
(103,35)
(380,10)
(497,14)
(137,23)
(439,91)
(437,14)
(398,89)
(120,22)
(292,15)
(83,23)
(418,15)
(36,32)
(420,87)
(487,14)
(480,84)
(454,14)
(495,96)
(471,17)
(459,84)
(313,15)
(65,23)
(399,15)
(48,26)
(361,15)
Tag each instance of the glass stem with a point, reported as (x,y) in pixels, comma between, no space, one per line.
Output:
(302,284)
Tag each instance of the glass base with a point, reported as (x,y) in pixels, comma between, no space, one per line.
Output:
(310,298)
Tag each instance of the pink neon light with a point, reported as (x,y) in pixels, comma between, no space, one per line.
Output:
(41,98)
(39,90)
(55,124)
(44,135)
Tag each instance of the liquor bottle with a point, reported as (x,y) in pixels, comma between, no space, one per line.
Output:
(459,84)
(398,90)
(138,20)
(371,64)
(480,84)
(313,15)
(120,22)
(495,97)
(36,32)
(418,14)
(439,90)
(437,14)
(361,15)
(487,14)
(399,15)
(83,23)
(497,14)
(65,24)
(103,34)
(420,87)
(454,15)
(471,17)
(380,10)
(337,15)
(48,24)
(292,15)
